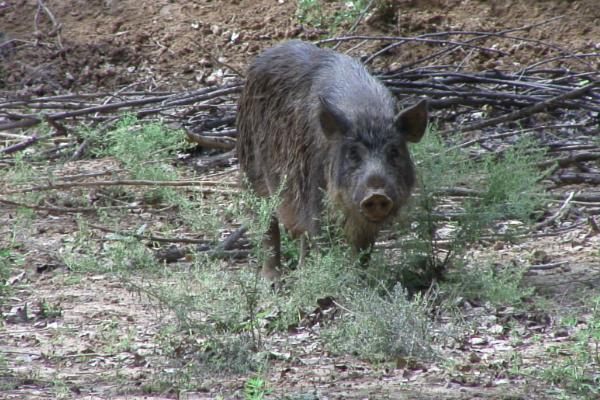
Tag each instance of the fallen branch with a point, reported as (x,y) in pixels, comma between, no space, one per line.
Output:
(516,115)
(63,210)
(564,208)
(124,182)
(572,178)
(148,237)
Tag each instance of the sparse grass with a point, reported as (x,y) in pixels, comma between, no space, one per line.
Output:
(437,232)
(314,13)
(49,310)
(575,365)
(500,285)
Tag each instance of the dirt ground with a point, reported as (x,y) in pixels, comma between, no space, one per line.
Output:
(106,45)
(176,44)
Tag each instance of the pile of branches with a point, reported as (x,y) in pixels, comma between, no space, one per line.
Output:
(557,97)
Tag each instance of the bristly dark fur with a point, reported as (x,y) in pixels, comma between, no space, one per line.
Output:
(280,136)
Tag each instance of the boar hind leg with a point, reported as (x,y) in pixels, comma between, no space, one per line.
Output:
(271,268)
(305,245)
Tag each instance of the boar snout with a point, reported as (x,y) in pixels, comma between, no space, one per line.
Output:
(376,205)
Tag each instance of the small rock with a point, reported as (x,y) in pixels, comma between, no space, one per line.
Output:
(235,37)
(478,341)
(205,62)
(561,333)
(496,329)
(215,78)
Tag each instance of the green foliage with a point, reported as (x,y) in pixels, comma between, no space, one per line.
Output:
(256,389)
(576,366)
(21,172)
(383,327)
(142,149)
(138,145)
(49,310)
(8,260)
(312,12)
(505,188)
(488,282)
(120,254)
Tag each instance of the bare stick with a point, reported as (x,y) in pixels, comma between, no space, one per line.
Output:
(54,209)
(559,214)
(66,185)
(544,105)
(149,237)
(358,21)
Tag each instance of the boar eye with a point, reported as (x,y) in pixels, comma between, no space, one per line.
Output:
(393,154)
(353,155)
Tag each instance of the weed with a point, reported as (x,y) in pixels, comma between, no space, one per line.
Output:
(489,282)
(312,12)
(436,233)
(380,328)
(142,149)
(49,310)
(576,366)
(60,389)
(256,389)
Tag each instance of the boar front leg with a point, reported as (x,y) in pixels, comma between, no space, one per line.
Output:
(271,268)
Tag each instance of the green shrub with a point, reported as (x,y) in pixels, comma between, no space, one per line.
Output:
(383,327)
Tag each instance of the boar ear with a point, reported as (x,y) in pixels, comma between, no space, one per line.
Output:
(412,122)
(332,119)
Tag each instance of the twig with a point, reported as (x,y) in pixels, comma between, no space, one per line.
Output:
(56,27)
(230,241)
(19,146)
(572,159)
(582,177)
(65,209)
(409,39)
(149,237)
(171,101)
(211,142)
(358,21)
(547,266)
(511,133)
(558,215)
(124,182)
(516,115)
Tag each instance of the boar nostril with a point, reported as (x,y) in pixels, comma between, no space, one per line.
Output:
(376,206)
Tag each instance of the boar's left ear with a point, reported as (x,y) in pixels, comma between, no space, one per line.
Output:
(412,122)
(332,119)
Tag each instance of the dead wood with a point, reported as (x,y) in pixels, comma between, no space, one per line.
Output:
(122,182)
(574,178)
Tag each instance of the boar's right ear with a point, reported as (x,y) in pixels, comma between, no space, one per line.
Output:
(332,119)
(412,122)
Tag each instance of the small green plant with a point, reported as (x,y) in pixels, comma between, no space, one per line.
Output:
(576,366)
(142,149)
(383,327)
(256,389)
(60,388)
(488,282)
(312,12)
(49,310)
